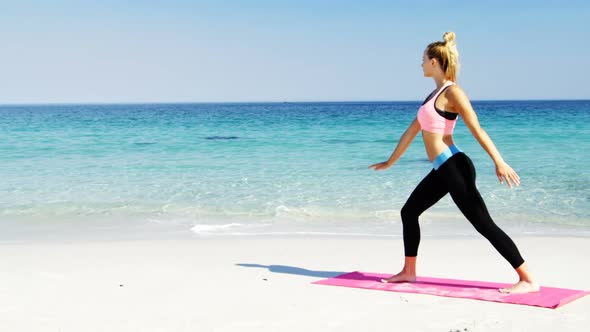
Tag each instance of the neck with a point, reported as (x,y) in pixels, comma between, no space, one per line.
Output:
(440,81)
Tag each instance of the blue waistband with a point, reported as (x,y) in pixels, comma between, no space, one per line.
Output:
(443,156)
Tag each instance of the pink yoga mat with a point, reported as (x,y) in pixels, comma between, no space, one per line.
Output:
(547,297)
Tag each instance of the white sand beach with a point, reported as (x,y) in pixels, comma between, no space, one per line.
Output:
(264,284)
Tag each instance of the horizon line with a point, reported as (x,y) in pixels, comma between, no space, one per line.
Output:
(258,102)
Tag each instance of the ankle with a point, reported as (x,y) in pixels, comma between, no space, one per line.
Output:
(410,265)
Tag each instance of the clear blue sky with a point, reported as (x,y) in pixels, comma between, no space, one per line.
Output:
(181,51)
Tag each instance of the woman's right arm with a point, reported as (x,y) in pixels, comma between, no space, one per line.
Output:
(404,141)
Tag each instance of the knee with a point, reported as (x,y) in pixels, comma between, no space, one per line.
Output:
(487,228)
(408,215)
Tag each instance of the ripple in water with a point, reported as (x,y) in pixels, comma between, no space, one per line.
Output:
(221,137)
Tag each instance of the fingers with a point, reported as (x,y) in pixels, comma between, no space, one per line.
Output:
(518,177)
(515,178)
(511,179)
(509,176)
(379,166)
(508,181)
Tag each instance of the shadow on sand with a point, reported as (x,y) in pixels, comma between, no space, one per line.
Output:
(295,270)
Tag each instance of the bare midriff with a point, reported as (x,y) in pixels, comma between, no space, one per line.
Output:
(435,144)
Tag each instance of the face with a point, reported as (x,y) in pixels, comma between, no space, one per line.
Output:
(427,65)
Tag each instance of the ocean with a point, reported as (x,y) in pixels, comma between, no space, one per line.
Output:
(239,169)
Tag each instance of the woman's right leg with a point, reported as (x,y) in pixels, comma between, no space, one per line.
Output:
(429,191)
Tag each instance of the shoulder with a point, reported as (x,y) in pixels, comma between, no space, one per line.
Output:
(455,94)
(458,100)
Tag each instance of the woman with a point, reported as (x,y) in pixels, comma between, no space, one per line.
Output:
(453,171)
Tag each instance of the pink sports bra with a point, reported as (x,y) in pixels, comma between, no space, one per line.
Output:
(434,120)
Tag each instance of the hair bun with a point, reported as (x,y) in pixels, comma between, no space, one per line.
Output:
(449,38)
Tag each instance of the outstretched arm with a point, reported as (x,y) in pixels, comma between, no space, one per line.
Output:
(459,102)
(405,140)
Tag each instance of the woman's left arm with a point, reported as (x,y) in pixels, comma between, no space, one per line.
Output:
(459,103)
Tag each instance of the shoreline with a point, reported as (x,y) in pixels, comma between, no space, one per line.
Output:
(118,230)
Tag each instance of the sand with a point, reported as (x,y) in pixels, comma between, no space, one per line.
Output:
(264,284)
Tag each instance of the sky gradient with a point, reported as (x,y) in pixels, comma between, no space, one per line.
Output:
(246,51)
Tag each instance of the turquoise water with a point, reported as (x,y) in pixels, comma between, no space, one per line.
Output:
(280,168)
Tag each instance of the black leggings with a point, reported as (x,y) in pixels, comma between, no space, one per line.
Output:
(455,176)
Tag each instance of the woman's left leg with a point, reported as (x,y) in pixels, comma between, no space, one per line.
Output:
(459,173)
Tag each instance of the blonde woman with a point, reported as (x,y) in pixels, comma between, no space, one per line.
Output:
(453,171)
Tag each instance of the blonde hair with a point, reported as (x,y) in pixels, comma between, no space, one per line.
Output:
(446,54)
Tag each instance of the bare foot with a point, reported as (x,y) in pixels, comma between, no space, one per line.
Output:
(401,277)
(521,287)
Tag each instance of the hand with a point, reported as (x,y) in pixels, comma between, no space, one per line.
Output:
(380,166)
(506,173)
